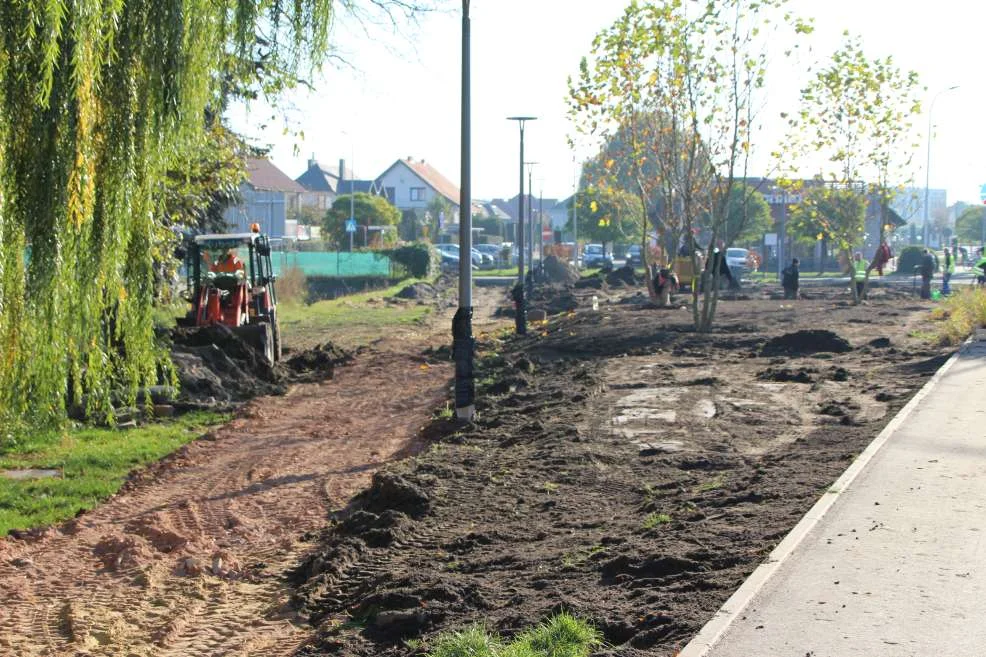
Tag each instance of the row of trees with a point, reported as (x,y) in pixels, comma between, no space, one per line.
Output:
(670,95)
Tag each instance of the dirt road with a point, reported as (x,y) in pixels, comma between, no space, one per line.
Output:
(190,562)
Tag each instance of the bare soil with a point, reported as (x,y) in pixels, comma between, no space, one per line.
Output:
(623,468)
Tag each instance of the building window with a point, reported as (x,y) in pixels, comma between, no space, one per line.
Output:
(417,193)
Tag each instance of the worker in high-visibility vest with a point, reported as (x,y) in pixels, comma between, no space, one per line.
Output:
(229,264)
(857,269)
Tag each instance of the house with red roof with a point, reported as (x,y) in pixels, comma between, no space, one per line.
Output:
(412,185)
(268,198)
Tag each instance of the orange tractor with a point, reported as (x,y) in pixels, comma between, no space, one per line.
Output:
(223,289)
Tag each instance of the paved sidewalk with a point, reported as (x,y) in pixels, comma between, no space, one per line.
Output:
(892,561)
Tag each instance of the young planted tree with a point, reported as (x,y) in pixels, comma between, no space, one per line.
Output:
(681,89)
(856,114)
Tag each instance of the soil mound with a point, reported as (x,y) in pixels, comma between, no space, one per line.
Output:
(317,363)
(623,277)
(558,271)
(810,341)
(216,367)
(420,291)
(392,492)
(595,282)
(553,299)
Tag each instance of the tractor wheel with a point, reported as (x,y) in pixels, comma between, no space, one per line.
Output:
(258,336)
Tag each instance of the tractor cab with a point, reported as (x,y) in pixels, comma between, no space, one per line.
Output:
(230,281)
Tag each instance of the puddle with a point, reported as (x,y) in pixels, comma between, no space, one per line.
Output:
(30,474)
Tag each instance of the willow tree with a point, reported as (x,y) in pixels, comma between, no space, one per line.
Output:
(700,68)
(856,115)
(96,98)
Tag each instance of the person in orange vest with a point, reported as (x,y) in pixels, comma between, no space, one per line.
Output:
(229,264)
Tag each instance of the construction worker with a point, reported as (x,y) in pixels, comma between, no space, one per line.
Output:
(857,269)
(981,266)
(947,272)
(927,270)
(229,264)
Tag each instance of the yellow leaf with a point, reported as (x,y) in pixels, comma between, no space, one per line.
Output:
(594,206)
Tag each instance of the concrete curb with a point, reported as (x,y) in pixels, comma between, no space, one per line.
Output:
(706,639)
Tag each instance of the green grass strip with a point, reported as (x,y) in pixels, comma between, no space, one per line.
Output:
(93,465)
(562,636)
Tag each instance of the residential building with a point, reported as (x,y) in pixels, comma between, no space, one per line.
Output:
(412,185)
(269,197)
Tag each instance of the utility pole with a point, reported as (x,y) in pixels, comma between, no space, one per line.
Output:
(541,225)
(518,291)
(463,344)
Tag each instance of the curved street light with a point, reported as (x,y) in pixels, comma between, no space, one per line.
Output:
(518,292)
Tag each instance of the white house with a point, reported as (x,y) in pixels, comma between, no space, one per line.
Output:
(412,185)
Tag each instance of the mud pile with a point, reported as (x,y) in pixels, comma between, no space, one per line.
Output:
(809,341)
(559,271)
(419,291)
(216,367)
(623,277)
(553,299)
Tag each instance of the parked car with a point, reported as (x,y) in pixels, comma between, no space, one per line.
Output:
(737,261)
(450,263)
(634,258)
(595,256)
(478,259)
(493,251)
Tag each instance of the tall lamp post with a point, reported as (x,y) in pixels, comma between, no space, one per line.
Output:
(463,344)
(518,291)
(927,167)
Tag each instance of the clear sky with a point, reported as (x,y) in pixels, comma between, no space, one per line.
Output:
(399,94)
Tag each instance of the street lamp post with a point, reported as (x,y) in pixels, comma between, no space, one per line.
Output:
(518,291)
(927,167)
(463,344)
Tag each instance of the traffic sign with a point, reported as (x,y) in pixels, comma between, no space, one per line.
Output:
(350,225)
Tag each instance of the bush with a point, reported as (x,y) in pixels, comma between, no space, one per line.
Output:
(961,315)
(420,260)
(910,257)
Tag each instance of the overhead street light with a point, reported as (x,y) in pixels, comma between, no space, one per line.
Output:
(518,291)
(927,168)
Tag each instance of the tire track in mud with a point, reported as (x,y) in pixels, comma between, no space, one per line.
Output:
(191,563)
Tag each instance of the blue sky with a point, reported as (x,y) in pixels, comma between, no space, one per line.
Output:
(399,96)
